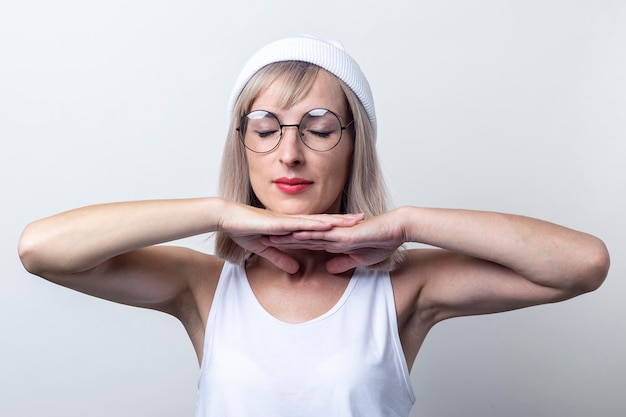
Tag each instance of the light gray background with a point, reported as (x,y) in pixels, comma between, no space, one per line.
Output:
(515,106)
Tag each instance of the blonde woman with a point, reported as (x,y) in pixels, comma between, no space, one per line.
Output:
(310,307)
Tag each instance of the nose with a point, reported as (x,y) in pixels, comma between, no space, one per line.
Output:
(291,147)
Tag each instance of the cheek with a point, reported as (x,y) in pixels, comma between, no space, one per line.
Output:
(345,163)
(339,170)
(257,163)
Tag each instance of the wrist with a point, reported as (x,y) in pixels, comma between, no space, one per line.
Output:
(216,208)
(410,223)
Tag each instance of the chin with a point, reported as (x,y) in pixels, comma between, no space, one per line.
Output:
(301,205)
(297,209)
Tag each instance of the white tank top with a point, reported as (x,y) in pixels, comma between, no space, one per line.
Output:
(346,362)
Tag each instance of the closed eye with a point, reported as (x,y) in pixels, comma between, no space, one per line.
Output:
(266,133)
(320,134)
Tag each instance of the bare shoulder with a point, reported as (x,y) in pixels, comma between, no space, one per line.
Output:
(408,281)
(175,280)
(410,278)
(437,284)
(203,276)
(188,278)
(192,306)
(432,285)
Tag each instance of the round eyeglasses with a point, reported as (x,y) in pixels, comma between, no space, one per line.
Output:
(319,129)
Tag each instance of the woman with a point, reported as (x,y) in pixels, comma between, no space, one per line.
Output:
(310,307)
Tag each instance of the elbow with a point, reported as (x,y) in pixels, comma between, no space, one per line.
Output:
(29,249)
(594,267)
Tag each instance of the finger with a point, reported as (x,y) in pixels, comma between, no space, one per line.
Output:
(331,246)
(340,264)
(291,239)
(310,245)
(280,260)
(342,220)
(309,235)
(336,220)
(339,234)
(336,233)
(277,224)
(286,225)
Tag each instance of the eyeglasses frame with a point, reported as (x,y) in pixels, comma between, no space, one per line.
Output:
(280,139)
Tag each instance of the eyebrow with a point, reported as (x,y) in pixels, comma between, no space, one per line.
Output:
(342,117)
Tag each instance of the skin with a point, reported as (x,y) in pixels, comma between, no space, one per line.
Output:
(482,262)
(328,171)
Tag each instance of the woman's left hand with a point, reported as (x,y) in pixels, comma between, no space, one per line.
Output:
(367,243)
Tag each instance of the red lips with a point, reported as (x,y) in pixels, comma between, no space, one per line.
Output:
(292,185)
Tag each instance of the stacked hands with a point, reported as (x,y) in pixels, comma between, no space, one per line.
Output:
(355,240)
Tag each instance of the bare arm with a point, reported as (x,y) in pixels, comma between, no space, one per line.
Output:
(103,250)
(491,261)
(107,250)
(80,239)
(497,262)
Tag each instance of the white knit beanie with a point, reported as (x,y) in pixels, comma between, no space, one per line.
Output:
(329,55)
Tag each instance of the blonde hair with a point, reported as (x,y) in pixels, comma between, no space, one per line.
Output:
(364,191)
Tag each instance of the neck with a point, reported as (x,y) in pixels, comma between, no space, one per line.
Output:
(312,263)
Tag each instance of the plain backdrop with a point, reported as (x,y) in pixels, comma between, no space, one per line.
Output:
(514,106)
